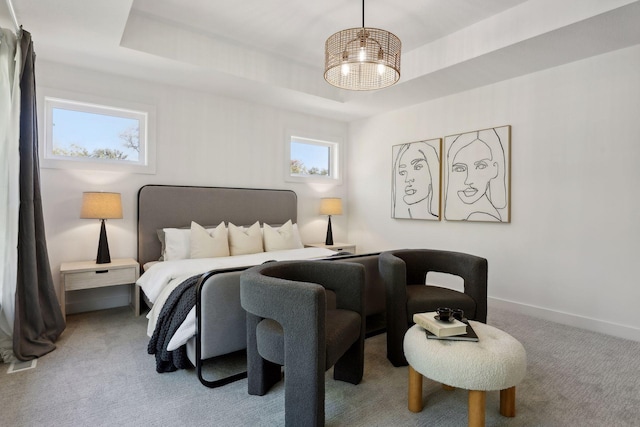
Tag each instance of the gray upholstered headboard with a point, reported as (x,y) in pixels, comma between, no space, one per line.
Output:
(161,206)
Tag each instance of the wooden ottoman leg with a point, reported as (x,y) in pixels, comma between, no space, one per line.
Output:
(477,400)
(448,387)
(508,402)
(415,390)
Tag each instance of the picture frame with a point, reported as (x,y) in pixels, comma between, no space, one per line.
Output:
(415,180)
(477,175)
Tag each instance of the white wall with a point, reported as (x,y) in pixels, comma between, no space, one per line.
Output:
(201,140)
(571,249)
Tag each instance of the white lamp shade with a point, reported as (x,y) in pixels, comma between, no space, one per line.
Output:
(101,206)
(330,206)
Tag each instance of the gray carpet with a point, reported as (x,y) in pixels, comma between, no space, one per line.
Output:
(101,375)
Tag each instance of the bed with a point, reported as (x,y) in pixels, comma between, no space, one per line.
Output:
(218,321)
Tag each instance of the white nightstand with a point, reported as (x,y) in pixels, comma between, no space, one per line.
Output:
(87,275)
(338,247)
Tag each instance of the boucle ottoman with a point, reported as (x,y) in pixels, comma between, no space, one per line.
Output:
(496,362)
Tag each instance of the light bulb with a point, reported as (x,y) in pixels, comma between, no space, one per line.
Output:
(362,55)
(344,69)
(381,69)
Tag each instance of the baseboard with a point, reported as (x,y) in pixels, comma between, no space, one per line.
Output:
(601,326)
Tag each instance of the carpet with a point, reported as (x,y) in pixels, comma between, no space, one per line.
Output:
(101,375)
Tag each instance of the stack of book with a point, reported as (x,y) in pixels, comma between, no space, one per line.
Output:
(446,330)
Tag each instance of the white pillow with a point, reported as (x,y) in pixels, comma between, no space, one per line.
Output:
(296,235)
(245,240)
(284,237)
(208,243)
(176,244)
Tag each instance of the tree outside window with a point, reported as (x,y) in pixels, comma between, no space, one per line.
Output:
(92,133)
(311,157)
(84,134)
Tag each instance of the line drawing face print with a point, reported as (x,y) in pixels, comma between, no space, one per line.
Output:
(416,180)
(477,176)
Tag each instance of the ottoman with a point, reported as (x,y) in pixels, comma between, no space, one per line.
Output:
(496,362)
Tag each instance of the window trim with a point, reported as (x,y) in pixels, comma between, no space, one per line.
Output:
(51,99)
(335,164)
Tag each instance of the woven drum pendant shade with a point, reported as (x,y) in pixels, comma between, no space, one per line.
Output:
(362,59)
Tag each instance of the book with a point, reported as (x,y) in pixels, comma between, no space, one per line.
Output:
(469,336)
(437,327)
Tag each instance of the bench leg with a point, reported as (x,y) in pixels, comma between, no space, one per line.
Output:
(477,399)
(415,390)
(508,402)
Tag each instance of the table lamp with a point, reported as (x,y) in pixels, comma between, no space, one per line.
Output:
(330,206)
(101,206)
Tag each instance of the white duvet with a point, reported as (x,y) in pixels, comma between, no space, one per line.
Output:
(163,277)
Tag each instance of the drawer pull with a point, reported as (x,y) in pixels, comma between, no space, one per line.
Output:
(101,271)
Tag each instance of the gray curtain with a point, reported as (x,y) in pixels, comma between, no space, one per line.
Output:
(38,317)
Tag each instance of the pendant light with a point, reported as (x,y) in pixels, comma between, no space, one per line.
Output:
(362,58)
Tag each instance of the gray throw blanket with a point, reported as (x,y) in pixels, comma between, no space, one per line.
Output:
(173,313)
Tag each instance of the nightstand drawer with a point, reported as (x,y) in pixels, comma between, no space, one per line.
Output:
(99,278)
(338,247)
(344,248)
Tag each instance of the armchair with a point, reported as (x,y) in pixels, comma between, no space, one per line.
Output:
(309,315)
(404,274)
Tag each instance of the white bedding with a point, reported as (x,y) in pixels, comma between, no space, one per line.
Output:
(163,277)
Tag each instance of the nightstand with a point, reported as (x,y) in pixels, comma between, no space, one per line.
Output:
(338,247)
(88,275)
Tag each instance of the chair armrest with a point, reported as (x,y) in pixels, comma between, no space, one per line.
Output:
(476,285)
(394,274)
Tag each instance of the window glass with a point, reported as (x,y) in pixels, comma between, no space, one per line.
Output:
(81,134)
(312,159)
(95,136)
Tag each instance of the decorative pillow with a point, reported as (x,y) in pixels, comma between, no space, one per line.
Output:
(209,243)
(277,239)
(245,240)
(160,233)
(176,244)
(296,235)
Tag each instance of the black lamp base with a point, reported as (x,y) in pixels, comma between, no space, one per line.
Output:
(103,256)
(329,240)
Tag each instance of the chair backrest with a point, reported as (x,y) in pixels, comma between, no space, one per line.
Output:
(419,262)
(343,279)
(471,268)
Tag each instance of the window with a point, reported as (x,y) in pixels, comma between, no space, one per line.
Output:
(312,160)
(83,135)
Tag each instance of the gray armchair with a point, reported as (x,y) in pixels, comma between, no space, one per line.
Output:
(309,315)
(404,273)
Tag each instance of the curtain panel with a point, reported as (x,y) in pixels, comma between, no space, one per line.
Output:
(10,68)
(38,318)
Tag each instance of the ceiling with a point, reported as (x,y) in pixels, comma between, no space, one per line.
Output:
(272,51)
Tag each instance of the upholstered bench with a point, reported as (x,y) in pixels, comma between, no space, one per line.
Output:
(496,362)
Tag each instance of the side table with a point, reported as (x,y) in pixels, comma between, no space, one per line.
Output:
(88,275)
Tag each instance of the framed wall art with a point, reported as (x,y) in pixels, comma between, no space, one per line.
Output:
(477,175)
(415,186)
